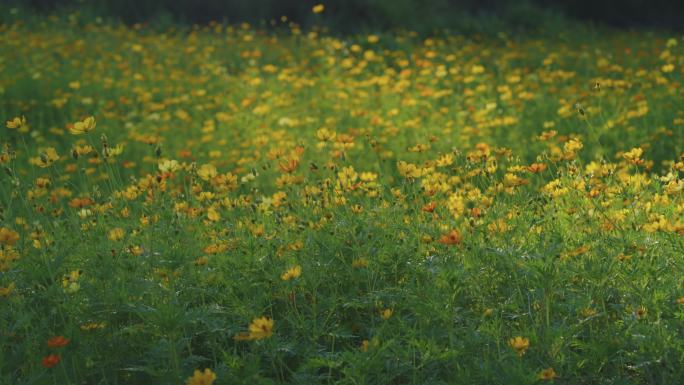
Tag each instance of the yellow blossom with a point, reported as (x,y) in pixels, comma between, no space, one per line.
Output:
(6,291)
(201,378)
(87,125)
(547,374)
(259,329)
(18,123)
(207,171)
(8,236)
(116,234)
(519,345)
(291,273)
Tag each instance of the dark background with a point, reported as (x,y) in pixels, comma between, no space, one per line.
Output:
(424,16)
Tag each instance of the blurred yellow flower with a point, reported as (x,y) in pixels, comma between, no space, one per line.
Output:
(260,328)
(292,273)
(386,313)
(116,234)
(547,374)
(201,378)
(87,125)
(207,171)
(8,236)
(18,123)
(46,158)
(519,345)
(6,291)
(318,8)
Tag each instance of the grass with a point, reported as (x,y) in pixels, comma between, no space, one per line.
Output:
(292,207)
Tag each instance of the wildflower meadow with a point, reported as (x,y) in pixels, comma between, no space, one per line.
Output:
(272,204)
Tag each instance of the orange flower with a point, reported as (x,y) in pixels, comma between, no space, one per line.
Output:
(430,207)
(289,166)
(57,342)
(8,236)
(51,360)
(453,237)
(80,203)
(536,168)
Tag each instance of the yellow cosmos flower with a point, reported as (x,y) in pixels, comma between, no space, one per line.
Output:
(70,281)
(519,345)
(6,291)
(207,171)
(168,165)
(201,378)
(18,124)
(46,158)
(213,215)
(116,234)
(318,8)
(90,326)
(292,273)
(547,374)
(8,236)
(633,156)
(87,125)
(260,328)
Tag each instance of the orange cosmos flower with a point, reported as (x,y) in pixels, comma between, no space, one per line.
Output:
(453,237)
(51,360)
(430,207)
(57,342)
(536,168)
(289,166)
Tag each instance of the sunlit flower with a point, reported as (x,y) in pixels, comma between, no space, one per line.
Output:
(633,156)
(47,157)
(207,171)
(85,126)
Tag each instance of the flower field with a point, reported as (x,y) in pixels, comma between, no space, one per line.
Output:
(239,205)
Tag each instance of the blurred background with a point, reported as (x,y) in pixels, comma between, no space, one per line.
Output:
(423,16)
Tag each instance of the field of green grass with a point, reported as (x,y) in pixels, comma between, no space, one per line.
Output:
(231,205)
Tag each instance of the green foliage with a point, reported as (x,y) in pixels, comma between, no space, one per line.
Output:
(404,210)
